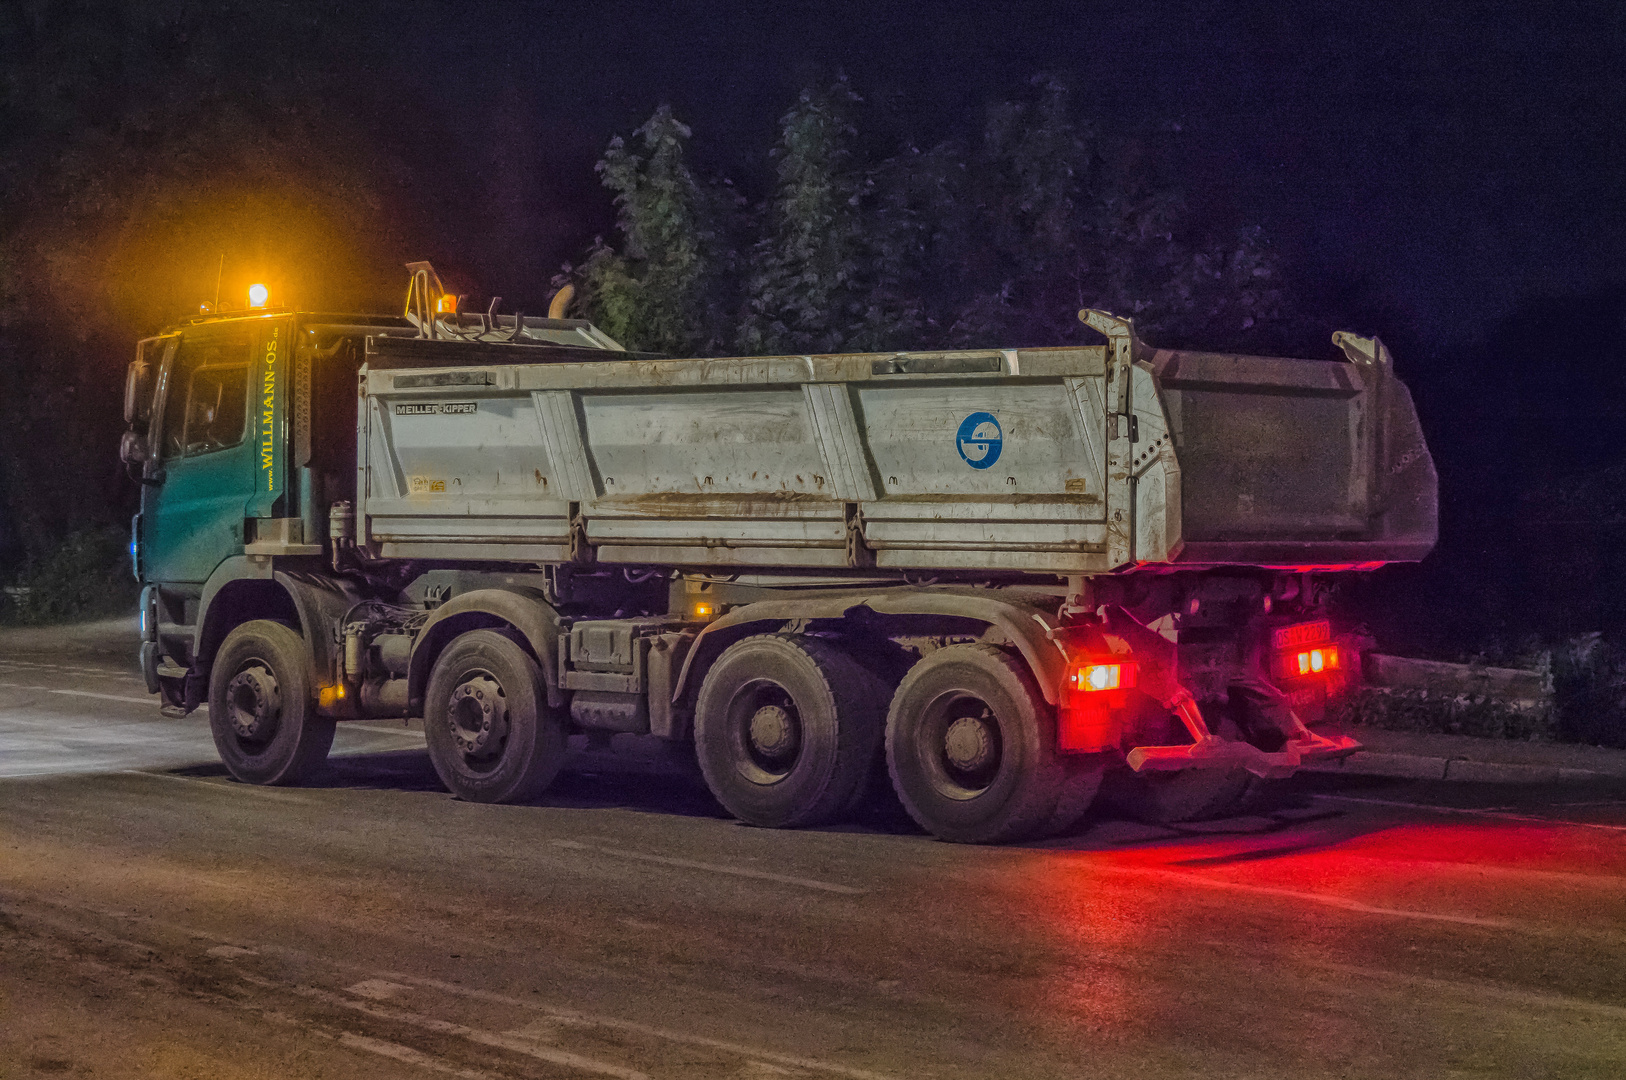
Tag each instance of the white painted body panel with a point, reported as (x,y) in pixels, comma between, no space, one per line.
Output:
(1017,460)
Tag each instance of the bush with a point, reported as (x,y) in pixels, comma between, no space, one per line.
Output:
(1588,702)
(1589,685)
(1443,714)
(86,575)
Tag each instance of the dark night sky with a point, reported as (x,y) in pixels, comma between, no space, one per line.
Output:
(1454,163)
(1452,166)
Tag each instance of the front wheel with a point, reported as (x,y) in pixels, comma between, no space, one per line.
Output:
(492,737)
(971,746)
(262,713)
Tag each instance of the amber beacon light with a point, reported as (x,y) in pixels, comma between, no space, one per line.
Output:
(258,295)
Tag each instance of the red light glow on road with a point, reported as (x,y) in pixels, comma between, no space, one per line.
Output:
(1302,897)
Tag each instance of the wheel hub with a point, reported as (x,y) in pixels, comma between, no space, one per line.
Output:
(774,733)
(478,716)
(968,744)
(255,702)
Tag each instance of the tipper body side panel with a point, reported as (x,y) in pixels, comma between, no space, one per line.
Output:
(1010,461)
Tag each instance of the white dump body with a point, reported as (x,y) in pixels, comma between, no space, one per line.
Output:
(1058,461)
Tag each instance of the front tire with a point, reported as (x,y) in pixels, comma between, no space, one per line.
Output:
(971,746)
(786,729)
(262,712)
(492,737)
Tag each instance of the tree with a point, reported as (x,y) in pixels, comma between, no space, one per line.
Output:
(665,290)
(1026,198)
(830,272)
(994,240)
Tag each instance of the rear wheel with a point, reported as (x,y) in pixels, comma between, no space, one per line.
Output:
(262,712)
(1078,793)
(1164,798)
(786,728)
(971,746)
(492,737)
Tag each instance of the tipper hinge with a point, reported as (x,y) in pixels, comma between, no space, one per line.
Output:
(581,550)
(859,553)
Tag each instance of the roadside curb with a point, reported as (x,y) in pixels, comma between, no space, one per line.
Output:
(1467,770)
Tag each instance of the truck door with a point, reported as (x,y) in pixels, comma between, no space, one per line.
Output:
(193,518)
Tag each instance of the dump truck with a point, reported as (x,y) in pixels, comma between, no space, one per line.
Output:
(1010,582)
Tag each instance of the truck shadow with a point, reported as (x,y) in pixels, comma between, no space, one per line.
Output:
(1290,811)
(587,782)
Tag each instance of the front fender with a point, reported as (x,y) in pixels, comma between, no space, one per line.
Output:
(245,587)
(526,610)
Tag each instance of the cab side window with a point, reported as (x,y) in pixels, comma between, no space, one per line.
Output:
(211,411)
(215,408)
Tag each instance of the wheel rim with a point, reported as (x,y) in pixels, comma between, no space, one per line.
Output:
(765,731)
(961,746)
(254,705)
(477,720)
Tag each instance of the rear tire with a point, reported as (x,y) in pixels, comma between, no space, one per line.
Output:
(971,746)
(1166,798)
(1078,794)
(492,737)
(262,712)
(785,729)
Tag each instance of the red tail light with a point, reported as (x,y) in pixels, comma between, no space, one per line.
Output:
(1317,661)
(1092,698)
(1089,676)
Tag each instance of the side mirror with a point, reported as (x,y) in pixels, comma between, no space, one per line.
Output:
(138,393)
(133,448)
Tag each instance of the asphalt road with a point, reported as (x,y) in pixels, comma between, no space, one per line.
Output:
(160,920)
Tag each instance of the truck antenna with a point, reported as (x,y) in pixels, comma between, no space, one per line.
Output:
(221,270)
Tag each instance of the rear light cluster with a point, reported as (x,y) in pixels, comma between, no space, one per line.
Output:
(1086,676)
(1092,691)
(1316,661)
(1304,650)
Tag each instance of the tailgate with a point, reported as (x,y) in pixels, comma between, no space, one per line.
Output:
(1297,463)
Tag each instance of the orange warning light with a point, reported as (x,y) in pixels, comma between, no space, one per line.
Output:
(258,296)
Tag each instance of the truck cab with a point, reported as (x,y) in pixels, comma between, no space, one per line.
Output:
(239,437)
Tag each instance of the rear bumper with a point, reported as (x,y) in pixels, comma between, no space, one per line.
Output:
(1216,753)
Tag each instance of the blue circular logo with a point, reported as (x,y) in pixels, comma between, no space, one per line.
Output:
(980,440)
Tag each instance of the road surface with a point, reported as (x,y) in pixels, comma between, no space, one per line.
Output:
(159,920)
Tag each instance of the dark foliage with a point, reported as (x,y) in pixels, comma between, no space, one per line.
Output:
(997,238)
